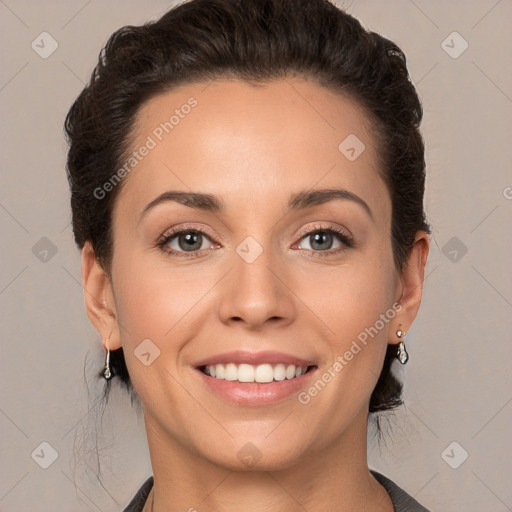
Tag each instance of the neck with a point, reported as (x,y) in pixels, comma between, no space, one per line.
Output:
(335,477)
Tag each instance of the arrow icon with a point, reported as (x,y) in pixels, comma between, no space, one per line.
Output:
(249,454)
(454,249)
(146,352)
(249,253)
(44,455)
(44,250)
(351,147)
(454,45)
(454,455)
(44,45)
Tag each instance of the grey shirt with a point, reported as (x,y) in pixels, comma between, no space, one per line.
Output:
(402,502)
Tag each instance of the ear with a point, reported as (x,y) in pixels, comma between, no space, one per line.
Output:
(99,298)
(411,277)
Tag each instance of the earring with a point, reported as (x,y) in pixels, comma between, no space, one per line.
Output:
(401,353)
(106,372)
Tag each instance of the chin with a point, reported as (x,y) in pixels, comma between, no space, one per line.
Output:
(256,455)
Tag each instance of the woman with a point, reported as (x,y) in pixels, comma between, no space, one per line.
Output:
(213,153)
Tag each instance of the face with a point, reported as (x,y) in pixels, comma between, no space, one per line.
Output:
(263,278)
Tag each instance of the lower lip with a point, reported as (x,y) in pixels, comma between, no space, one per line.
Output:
(255,393)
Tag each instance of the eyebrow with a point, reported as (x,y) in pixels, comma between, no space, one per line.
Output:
(298,201)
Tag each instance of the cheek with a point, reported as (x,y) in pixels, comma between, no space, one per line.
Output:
(151,304)
(150,313)
(351,297)
(167,306)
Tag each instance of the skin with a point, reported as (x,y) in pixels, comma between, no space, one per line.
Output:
(253,147)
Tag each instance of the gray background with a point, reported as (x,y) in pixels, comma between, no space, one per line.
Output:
(458,379)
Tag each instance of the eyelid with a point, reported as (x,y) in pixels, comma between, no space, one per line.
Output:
(328,227)
(183,228)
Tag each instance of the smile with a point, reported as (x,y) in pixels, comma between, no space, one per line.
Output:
(255,379)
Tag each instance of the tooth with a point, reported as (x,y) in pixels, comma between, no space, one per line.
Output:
(264,373)
(231,372)
(248,373)
(245,373)
(219,371)
(290,371)
(279,372)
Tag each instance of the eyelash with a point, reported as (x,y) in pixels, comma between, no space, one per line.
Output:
(342,236)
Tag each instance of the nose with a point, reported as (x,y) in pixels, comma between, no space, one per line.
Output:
(257,293)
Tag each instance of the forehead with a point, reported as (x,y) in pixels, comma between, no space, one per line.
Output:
(251,144)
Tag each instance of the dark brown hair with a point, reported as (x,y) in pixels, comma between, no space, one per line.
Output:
(257,41)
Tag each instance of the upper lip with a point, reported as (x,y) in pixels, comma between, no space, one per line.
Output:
(255,358)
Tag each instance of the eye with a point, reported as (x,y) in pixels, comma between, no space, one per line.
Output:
(185,242)
(322,239)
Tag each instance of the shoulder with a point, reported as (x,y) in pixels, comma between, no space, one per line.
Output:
(402,501)
(139,500)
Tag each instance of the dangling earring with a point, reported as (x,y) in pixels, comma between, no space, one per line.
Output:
(401,353)
(106,372)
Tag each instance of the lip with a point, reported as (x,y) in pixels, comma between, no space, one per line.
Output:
(255,394)
(255,358)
